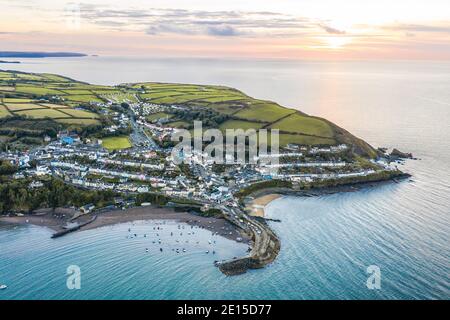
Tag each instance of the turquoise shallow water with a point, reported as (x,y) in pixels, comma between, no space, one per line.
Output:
(112,264)
(327,242)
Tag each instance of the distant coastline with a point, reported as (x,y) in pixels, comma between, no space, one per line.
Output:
(4,61)
(38,54)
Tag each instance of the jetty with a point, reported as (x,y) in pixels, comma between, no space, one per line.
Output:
(266,245)
(74,228)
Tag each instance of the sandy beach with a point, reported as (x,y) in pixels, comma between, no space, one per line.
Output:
(62,216)
(257,205)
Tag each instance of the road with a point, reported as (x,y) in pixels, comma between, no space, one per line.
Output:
(139,137)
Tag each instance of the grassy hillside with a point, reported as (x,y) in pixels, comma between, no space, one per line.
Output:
(22,93)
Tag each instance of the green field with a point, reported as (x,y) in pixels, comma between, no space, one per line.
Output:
(116,143)
(82,98)
(54,77)
(34,90)
(79,113)
(75,121)
(240,124)
(7,88)
(160,94)
(298,123)
(54,106)
(32,77)
(285,139)
(16,100)
(268,112)
(4,112)
(23,106)
(222,99)
(43,113)
(77,91)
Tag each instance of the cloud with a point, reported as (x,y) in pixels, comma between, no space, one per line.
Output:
(440,28)
(154,21)
(331,30)
(168,28)
(222,31)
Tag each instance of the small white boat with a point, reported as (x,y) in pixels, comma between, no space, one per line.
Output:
(3,286)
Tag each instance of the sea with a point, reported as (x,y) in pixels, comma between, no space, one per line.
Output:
(391,241)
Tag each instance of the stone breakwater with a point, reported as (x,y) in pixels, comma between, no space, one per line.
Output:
(266,247)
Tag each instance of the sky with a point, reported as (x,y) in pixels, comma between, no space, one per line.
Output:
(275,29)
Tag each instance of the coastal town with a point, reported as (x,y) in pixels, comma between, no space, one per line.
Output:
(130,162)
(146,167)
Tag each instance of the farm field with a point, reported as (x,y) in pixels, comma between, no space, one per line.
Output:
(306,125)
(268,112)
(16,100)
(83,98)
(76,121)
(240,124)
(159,94)
(23,106)
(116,143)
(76,91)
(25,98)
(34,90)
(79,113)
(7,88)
(54,106)
(304,140)
(222,99)
(43,113)
(4,112)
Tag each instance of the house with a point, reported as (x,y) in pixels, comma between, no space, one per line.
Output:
(67,140)
(87,208)
(223,189)
(18,175)
(35,184)
(142,189)
(216,196)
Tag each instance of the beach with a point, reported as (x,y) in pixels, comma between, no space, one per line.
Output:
(256,206)
(62,217)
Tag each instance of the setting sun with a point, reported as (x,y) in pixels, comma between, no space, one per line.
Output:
(335,42)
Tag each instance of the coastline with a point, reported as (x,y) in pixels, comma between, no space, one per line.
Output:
(256,202)
(63,216)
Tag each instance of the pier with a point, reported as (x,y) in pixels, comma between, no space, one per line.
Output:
(72,229)
(266,246)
